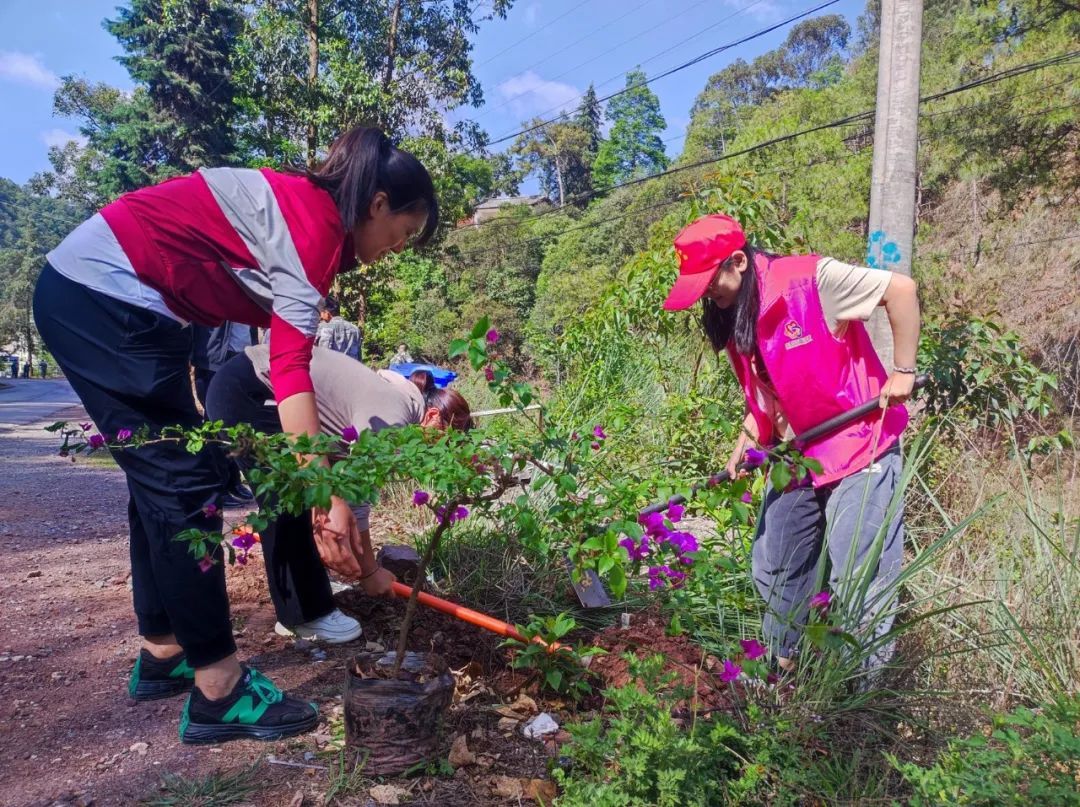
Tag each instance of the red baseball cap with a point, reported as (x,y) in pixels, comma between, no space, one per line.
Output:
(701,247)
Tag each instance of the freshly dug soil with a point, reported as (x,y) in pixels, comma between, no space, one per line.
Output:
(693,669)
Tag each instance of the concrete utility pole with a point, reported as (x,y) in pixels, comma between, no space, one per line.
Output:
(891,230)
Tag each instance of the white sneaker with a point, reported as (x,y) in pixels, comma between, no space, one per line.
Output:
(334,628)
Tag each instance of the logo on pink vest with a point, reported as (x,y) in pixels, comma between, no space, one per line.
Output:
(794,332)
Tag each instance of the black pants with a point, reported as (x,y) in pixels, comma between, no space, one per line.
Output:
(129,367)
(299,585)
(203,377)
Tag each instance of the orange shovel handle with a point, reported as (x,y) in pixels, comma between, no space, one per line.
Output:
(464,614)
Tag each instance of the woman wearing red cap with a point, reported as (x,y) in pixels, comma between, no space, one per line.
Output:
(793,329)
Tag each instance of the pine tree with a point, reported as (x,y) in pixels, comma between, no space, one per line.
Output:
(180,51)
(634,147)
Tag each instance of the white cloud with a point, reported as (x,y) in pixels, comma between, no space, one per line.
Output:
(530,13)
(529,94)
(24,68)
(59,137)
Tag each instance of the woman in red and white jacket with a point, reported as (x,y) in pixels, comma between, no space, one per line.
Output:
(114,305)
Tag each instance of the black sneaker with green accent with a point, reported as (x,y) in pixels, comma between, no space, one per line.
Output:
(154,678)
(254,710)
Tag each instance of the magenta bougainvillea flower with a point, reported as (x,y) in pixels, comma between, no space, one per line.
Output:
(659,576)
(206,564)
(489,374)
(460,512)
(755,457)
(598,433)
(575,436)
(210,510)
(97,440)
(654,524)
(748,497)
(636,551)
(420,497)
(244,541)
(752,649)
(595,446)
(682,542)
(349,434)
(492,336)
(821,600)
(123,435)
(675,512)
(86,426)
(731,671)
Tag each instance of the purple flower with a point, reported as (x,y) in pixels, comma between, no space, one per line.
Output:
(598,433)
(635,550)
(595,446)
(459,513)
(420,497)
(752,648)
(821,600)
(654,525)
(682,542)
(755,457)
(349,434)
(123,435)
(574,436)
(489,374)
(244,541)
(86,426)
(675,512)
(492,336)
(97,440)
(747,497)
(731,671)
(210,510)
(659,576)
(206,564)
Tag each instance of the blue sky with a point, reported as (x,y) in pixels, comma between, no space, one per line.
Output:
(535,62)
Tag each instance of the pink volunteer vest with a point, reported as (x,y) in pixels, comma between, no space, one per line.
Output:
(815,374)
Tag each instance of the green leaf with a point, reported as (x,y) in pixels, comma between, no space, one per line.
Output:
(480,328)
(55,427)
(780,476)
(457,347)
(554,679)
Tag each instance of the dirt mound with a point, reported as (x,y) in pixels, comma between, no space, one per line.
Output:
(691,666)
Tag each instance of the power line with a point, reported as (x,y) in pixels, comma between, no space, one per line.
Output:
(847,121)
(578,41)
(697,59)
(611,50)
(986,80)
(574,7)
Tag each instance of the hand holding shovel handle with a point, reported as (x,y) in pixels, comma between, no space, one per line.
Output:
(811,434)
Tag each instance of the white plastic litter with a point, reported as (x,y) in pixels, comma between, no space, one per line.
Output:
(540,726)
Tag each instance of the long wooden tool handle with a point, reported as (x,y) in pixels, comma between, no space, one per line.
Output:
(461,612)
(808,436)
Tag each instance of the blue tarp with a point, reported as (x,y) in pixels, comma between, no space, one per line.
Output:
(442,376)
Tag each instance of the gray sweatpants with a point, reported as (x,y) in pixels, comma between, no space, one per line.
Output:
(846,519)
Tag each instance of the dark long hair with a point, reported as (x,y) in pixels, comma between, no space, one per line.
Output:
(739,321)
(363,162)
(453,408)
